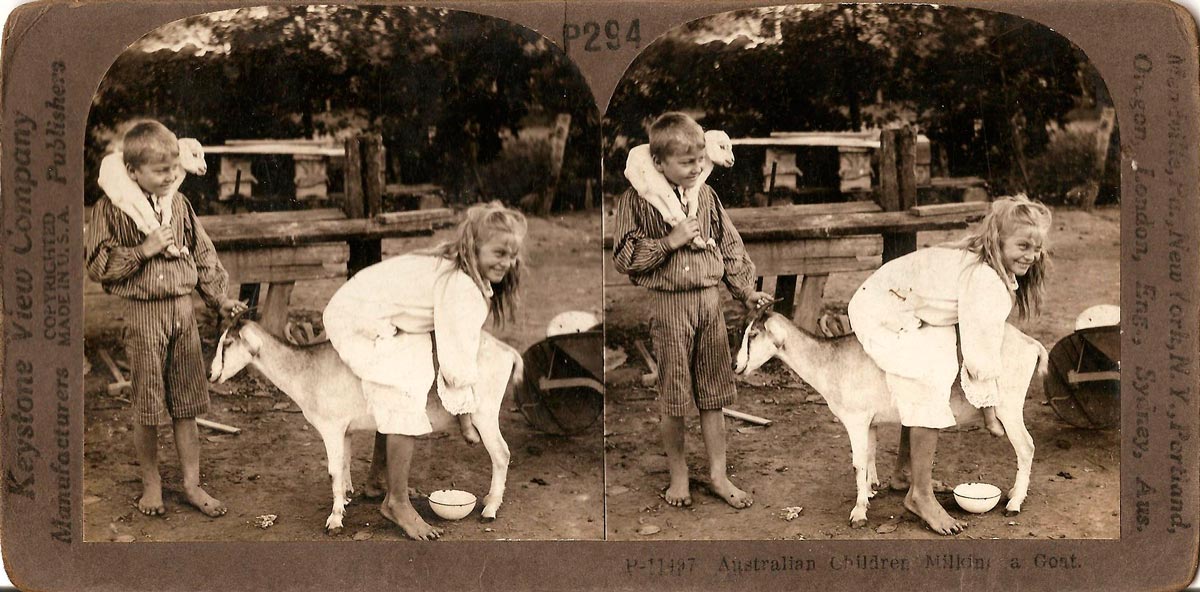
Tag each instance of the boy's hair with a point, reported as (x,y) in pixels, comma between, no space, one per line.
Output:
(674,133)
(483,221)
(149,141)
(1008,213)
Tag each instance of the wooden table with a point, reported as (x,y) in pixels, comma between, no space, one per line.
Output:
(815,240)
(279,248)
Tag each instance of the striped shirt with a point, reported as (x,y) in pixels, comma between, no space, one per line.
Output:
(113,260)
(640,248)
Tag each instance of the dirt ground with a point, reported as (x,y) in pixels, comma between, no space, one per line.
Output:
(276,465)
(803,458)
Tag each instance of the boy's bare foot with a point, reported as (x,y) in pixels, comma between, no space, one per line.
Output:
(934,515)
(208,504)
(674,498)
(406,517)
(151,502)
(726,490)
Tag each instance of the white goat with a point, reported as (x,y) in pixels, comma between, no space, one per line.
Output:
(125,194)
(856,391)
(653,187)
(331,397)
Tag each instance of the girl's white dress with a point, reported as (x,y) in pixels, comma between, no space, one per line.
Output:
(380,322)
(904,316)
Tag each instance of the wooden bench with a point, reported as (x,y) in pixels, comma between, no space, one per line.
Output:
(815,240)
(280,248)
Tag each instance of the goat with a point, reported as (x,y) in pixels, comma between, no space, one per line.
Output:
(125,194)
(654,188)
(857,393)
(331,397)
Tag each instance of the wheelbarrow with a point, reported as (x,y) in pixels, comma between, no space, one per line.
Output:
(1083,384)
(563,390)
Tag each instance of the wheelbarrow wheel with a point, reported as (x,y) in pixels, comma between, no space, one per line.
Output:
(1083,384)
(558,395)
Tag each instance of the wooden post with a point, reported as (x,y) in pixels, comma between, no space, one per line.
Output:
(558,148)
(898,186)
(354,206)
(275,308)
(372,170)
(364,196)
(810,302)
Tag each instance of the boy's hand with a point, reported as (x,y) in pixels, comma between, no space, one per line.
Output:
(683,233)
(756,299)
(230,308)
(156,241)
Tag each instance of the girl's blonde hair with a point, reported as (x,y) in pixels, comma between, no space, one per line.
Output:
(482,222)
(1007,214)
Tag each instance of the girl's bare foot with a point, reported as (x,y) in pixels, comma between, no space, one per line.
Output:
(376,486)
(151,502)
(726,490)
(934,515)
(469,433)
(406,517)
(205,503)
(993,425)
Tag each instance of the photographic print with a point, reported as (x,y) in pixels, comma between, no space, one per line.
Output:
(366,202)
(866,172)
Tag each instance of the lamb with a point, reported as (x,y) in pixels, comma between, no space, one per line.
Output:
(652,186)
(331,398)
(127,196)
(857,394)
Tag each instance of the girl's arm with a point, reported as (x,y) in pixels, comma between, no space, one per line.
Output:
(459,311)
(984,304)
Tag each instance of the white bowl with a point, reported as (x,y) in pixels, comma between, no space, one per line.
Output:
(452,504)
(977,497)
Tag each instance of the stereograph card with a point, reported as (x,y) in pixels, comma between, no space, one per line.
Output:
(736,381)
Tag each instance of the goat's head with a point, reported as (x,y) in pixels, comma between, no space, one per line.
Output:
(759,342)
(191,156)
(718,147)
(237,347)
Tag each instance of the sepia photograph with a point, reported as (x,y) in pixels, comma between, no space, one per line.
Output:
(862,280)
(342,282)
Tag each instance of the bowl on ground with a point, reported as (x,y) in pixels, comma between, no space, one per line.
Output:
(977,498)
(452,504)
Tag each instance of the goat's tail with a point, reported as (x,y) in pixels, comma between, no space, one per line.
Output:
(518,371)
(1043,358)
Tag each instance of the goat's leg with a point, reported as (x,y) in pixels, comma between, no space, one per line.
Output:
(859,431)
(872,471)
(488,424)
(1012,418)
(335,444)
(348,455)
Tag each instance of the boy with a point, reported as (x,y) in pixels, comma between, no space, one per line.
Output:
(155,273)
(687,330)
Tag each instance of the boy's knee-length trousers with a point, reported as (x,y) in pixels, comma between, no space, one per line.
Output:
(692,351)
(162,344)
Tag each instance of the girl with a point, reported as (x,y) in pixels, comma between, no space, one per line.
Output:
(387,320)
(915,313)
